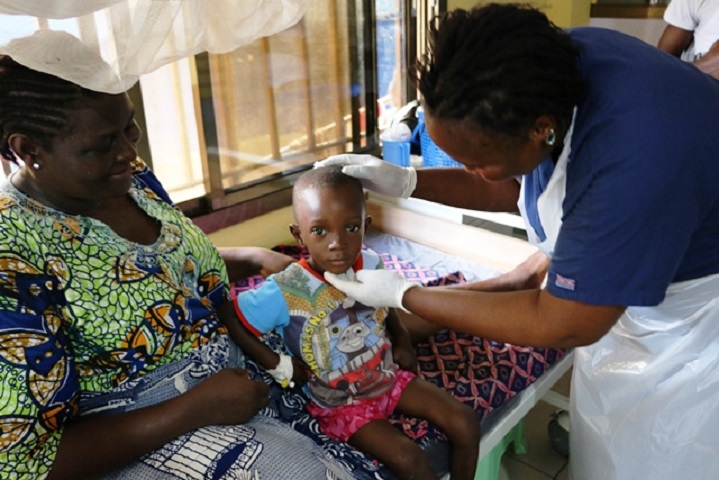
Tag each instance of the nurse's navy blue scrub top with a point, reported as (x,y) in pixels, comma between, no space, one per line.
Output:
(642,196)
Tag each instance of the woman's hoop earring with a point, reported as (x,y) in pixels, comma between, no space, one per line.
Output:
(551,138)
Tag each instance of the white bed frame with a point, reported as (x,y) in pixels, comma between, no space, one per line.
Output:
(499,251)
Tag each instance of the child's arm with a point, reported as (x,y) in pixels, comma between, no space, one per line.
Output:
(250,344)
(285,370)
(403,351)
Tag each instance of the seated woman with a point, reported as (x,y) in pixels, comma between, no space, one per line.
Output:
(112,358)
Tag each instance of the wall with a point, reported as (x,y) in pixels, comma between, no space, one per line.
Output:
(565,13)
(645,22)
(264,231)
(647,29)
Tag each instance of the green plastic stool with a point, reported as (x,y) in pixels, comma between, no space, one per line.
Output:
(488,467)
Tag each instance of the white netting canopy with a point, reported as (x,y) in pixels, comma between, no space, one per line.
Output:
(105,45)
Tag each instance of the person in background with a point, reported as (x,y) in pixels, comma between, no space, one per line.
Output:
(692,33)
(614,143)
(114,362)
(360,359)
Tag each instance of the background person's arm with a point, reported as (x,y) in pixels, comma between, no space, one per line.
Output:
(675,40)
(243,262)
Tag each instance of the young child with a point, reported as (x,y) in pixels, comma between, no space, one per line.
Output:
(351,351)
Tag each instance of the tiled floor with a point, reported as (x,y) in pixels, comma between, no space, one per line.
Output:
(541,462)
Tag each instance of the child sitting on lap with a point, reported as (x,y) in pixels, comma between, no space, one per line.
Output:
(358,360)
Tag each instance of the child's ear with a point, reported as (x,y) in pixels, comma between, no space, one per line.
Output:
(295,231)
(367,221)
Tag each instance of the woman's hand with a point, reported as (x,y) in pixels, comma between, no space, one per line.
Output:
(228,397)
(528,275)
(374,288)
(375,174)
(91,446)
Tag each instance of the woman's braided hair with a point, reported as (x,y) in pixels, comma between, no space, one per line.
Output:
(499,66)
(33,103)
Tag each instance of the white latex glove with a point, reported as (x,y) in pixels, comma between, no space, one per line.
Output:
(282,373)
(376,174)
(374,288)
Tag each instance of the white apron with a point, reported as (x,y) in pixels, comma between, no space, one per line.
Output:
(645,397)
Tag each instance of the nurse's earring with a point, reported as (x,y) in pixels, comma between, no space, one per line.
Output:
(551,138)
(35,166)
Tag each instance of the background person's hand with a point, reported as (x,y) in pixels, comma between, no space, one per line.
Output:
(375,174)
(374,288)
(709,62)
(228,397)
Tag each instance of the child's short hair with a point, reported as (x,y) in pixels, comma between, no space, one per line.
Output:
(326,177)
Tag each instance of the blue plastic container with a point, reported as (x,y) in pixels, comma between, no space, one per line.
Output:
(396,152)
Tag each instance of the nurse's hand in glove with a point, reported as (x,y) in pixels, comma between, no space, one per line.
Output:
(374,288)
(375,174)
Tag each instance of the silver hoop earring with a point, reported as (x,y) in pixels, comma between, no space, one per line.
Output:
(551,137)
(36,166)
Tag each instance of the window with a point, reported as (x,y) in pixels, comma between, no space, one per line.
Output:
(234,129)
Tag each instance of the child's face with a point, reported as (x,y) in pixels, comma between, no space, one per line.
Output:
(331,224)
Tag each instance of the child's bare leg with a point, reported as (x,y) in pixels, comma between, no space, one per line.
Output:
(403,457)
(458,421)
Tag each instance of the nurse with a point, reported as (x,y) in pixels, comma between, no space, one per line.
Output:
(609,149)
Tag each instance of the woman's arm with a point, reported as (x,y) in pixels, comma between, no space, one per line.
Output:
(526,317)
(451,186)
(458,188)
(92,446)
(530,274)
(243,262)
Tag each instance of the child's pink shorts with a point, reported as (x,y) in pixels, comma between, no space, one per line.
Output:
(342,422)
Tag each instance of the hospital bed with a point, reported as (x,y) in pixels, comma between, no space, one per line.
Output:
(449,246)
(442,246)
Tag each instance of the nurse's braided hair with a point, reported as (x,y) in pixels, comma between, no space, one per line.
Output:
(500,67)
(33,103)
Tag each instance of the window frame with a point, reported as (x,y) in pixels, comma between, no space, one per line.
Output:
(221,207)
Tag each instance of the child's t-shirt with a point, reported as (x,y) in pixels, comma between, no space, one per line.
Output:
(343,341)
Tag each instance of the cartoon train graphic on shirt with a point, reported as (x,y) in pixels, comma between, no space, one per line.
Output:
(363,356)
